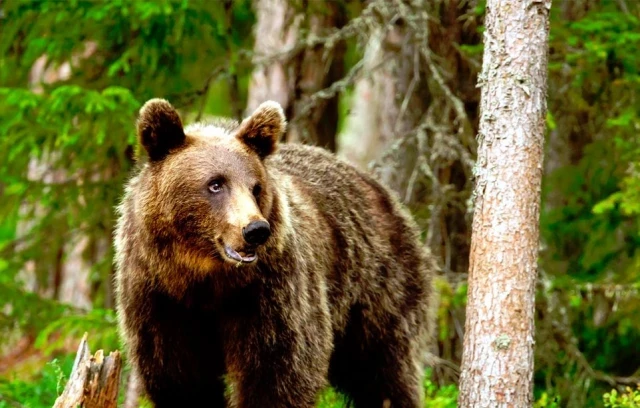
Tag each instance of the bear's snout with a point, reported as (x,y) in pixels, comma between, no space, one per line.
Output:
(256,233)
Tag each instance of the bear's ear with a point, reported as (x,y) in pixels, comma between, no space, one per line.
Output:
(159,128)
(262,130)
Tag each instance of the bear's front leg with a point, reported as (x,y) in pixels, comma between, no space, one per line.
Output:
(177,354)
(180,372)
(277,359)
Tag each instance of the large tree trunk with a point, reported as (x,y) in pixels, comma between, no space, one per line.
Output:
(497,364)
(291,73)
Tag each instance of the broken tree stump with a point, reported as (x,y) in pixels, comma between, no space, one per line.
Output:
(94,380)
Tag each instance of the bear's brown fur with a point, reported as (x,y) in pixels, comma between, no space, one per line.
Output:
(338,294)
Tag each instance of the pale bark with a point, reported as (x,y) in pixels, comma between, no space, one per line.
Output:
(290,74)
(94,380)
(387,105)
(133,392)
(497,363)
(66,267)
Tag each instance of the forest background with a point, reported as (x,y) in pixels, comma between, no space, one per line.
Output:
(390,85)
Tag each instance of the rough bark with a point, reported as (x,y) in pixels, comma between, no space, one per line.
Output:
(290,73)
(497,363)
(94,380)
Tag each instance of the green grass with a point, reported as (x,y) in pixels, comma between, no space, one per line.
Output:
(44,388)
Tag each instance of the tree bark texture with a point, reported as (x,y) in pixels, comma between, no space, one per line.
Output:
(94,380)
(497,363)
(290,73)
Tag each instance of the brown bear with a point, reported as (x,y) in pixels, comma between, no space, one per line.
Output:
(254,274)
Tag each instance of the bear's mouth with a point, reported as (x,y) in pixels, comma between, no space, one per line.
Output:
(244,256)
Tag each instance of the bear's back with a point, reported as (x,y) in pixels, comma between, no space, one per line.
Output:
(336,186)
(374,240)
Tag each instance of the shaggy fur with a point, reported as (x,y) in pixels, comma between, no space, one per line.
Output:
(339,294)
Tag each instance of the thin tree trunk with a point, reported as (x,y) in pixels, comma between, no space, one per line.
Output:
(133,392)
(497,363)
(291,74)
(388,104)
(63,264)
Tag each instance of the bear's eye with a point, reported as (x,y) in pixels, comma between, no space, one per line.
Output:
(215,186)
(257,189)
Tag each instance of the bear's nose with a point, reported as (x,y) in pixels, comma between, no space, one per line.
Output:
(256,233)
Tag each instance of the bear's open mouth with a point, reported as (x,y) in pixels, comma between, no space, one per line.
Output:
(244,257)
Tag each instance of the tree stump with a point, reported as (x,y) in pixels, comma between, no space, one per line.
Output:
(94,380)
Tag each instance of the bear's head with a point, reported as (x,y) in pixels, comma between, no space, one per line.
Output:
(206,195)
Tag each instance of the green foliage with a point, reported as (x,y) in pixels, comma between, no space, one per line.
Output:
(628,399)
(547,401)
(27,311)
(45,388)
(451,298)
(67,141)
(100,324)
(329,398)
(144,45)
(435,396)
(41,391)
(589,224)
(440,396)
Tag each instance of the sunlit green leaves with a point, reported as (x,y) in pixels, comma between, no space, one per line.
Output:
(37,125)
(630,398)
(589,222)
(40,391)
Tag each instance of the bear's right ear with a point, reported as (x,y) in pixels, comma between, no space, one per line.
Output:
(159,128)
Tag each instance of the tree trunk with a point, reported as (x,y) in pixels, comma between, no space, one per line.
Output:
(290,73)
(388,104)
(133,392)
(62,270)
(94,380)
(497,364)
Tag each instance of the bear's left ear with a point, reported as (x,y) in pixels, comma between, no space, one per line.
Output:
(262,130)
(159,128)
